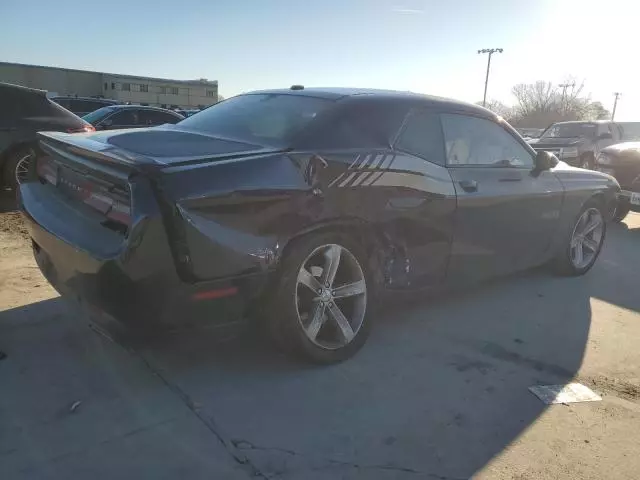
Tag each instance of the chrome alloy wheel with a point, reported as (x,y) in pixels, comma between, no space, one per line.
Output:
(23,167)
(331,296)
(587,237)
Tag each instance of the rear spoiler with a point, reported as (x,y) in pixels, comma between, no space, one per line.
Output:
(23,88)
(79,147)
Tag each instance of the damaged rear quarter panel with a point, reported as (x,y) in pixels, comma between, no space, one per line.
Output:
(236,213)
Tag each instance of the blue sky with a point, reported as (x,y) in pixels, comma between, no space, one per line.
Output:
(420,45)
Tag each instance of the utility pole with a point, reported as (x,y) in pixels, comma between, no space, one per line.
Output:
(615,104)
(490,51)
(564,87)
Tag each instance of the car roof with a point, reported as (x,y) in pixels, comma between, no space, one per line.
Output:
(141,107)
(337,93)
(93,99)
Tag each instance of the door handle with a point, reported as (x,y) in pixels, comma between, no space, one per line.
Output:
(511,179)
(469,186)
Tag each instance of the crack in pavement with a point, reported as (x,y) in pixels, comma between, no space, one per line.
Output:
(242,444)
(206,420)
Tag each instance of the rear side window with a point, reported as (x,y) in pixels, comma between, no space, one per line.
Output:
(360,125)
(422,136)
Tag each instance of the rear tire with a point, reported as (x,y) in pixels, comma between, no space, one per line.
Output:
(584,242)
(17,167)
(318,310)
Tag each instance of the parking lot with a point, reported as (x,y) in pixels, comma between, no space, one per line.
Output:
(439,392)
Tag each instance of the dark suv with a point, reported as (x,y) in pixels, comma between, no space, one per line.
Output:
(578,143)
(23,112)
(83,105)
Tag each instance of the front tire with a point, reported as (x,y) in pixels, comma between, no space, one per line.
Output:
(319,309)
(584,243)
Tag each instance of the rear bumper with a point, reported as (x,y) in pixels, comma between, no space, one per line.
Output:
(135,284)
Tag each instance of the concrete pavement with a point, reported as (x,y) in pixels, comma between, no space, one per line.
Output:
(439,391)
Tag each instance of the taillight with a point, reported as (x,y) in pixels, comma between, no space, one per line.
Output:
(83,129)
(120,213)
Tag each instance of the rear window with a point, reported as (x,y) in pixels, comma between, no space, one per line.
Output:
(97,115)
(271,119)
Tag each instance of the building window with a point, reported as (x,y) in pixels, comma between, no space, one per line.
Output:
(126,87)
(113,85)
(163,90)
(135,87)
(144,88)
(164,105)
(106,85)
(211,93)
(173,90)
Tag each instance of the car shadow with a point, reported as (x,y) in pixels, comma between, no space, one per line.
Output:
(439,390)
(7,201)
(619,265)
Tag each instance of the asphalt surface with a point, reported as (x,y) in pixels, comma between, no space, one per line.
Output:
(440,391)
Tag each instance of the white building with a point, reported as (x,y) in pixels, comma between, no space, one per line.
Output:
(160,92)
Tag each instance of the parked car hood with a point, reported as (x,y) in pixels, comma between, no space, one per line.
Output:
(162,146)
(622,147)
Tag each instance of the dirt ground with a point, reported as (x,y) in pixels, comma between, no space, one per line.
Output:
(20,280)
(439,392)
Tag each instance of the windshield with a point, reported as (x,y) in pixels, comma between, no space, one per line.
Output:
(97,115)
(264,118)
(570,130)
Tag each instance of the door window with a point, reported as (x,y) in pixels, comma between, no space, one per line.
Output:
(125,118)
(422,136)
(154,117)
(472,141)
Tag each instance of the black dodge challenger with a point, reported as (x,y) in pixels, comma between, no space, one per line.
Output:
(303,206)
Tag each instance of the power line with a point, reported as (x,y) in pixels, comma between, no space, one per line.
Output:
(490,51)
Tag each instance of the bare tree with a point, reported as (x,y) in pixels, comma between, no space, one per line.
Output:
(534,98)
(540,104)
(499,108)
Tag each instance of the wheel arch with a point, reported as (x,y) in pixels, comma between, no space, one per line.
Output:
(376,244)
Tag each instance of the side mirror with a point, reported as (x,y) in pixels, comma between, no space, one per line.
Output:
(545,161)
(605,136)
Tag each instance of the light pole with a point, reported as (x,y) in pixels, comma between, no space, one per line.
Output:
(490,51)
(564,87)
(615,104)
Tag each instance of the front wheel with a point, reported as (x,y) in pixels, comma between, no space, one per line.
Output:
(319,310)
(585,242)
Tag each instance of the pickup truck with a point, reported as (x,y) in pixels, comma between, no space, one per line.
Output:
(578,143)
